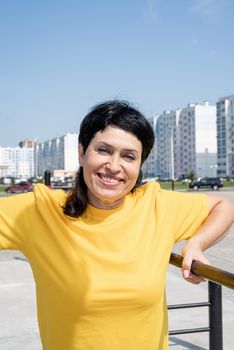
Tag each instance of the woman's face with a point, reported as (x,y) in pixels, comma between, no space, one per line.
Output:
(111,166)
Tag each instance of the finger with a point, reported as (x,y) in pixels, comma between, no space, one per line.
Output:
(190,280)
(195,279)
(186,266)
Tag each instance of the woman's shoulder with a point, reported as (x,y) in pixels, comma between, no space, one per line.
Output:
(44,192)
(149,188)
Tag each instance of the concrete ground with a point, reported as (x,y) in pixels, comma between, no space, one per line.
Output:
(18,321)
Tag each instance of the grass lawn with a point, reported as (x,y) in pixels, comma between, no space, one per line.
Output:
(167,185)
(2,188)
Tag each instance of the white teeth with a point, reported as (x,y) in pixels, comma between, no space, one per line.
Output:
(109,179)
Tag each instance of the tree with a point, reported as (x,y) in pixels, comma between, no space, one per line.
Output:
(192,175)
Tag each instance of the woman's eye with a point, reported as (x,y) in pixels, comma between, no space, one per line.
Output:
(130,157)
(102,150)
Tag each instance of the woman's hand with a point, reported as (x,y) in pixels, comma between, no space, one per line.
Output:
(213,229)
(192,252)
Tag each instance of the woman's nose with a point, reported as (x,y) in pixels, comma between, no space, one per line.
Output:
(114,163)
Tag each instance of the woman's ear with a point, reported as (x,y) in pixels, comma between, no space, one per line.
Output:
(81,154)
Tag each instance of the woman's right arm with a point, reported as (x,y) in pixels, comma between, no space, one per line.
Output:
(14,213)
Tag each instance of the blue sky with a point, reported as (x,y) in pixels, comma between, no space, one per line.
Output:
(59,58)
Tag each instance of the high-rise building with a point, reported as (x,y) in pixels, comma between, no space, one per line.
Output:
(225,136)
(166,140)
(27,143)
(58,153)
(17,162)
(184,138)
(149,167)
(197,129)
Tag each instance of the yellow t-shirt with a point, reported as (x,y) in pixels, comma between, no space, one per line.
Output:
(100,278)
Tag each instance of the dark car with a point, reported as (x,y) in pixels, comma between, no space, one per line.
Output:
(207,182)
(21,187)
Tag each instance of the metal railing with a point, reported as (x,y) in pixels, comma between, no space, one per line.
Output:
(217,278)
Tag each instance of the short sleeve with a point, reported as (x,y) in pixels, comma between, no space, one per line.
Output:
(23,216)
(185,212)
(15,218)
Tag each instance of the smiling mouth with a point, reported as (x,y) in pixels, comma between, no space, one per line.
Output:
(109,179)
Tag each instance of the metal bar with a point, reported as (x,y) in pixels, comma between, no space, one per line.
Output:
(215,316)
(211,273)
(192,330)
(187,306)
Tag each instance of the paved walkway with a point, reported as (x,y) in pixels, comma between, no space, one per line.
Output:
(18,322)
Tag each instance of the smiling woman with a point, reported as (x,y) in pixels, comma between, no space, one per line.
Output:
(99,255)
(114,138)
(111,166)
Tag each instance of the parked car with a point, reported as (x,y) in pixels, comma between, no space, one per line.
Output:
(208,182)
(20,187)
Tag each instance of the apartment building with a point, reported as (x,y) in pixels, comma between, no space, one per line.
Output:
(184,138)
(225,136)
(17,162)
(60,153)
(149,167)
(198,145)
(167,144)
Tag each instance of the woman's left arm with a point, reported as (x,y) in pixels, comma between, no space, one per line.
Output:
(214,228)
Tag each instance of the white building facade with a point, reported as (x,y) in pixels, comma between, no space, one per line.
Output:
(198,140)
(17,162)
(184,138)
(225,136)
(149,167)
(166,144)
(60,153)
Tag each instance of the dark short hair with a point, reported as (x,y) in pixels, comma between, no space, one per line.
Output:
(110,113)
(122,115)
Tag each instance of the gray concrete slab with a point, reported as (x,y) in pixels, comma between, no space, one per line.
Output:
(18,321)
